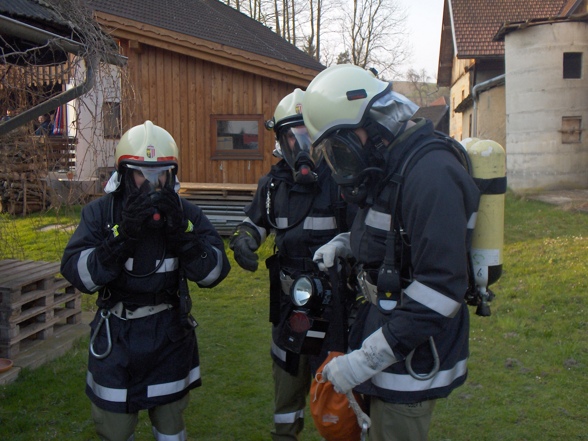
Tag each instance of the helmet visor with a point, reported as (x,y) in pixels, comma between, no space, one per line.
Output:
(158,177)
(295,140)
(345,155)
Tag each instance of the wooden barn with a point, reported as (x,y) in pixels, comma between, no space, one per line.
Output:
(207,73)
(211,76)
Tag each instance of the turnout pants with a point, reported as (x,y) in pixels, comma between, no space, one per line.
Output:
(167,422)
(290,400)
(400,422)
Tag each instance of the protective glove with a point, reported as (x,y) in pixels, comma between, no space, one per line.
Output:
(179,232)
(114,252)
(176,227)
(136,213)
(326,255)
(170,205)
(350,370)
(244,242)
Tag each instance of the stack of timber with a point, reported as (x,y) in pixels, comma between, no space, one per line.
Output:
(34,301)
(223,204)
(25,163)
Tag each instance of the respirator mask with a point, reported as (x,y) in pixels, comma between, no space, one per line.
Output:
(155,177)
(355,167)
(295,146)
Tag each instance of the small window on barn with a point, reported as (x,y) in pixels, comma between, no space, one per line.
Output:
(571,130)
(111,124)
(237,136)
(572,65)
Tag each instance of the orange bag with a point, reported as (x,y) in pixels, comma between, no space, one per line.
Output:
(331,411)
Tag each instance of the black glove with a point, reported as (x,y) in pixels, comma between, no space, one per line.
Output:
(170,206)
(244,242)
(136,213)
(177,229)
(114,252)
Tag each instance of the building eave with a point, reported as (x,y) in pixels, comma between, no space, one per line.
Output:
(206,50)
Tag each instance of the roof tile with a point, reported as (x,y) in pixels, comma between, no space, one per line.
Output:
(477,21)
(209,20)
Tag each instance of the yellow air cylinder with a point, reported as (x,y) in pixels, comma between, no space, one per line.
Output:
(488,160)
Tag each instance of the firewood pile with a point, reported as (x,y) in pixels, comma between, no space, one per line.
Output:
(25,163)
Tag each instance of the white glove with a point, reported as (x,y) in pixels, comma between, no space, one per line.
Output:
(339,246)
(350,370)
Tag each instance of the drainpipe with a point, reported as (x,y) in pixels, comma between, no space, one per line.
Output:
(479,88)
(42,37)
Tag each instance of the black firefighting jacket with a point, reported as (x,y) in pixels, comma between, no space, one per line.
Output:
(154,360)
(438,206)
(304,217)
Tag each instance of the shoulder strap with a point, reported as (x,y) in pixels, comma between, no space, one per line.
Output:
(397,245)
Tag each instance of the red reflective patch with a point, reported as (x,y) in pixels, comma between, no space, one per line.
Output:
(299,322)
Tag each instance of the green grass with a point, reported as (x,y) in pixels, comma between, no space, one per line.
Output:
(527,378)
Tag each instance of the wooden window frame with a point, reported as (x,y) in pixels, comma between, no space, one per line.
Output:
(247,154)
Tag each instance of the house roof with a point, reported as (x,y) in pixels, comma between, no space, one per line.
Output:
(434,113)
(469,27)
(477,21)
(209,20)
(35,12)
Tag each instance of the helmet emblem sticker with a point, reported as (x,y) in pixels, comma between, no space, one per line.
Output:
(150,151)
(299,108)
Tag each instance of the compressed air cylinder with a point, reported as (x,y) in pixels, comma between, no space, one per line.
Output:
(488,160)
(467,142)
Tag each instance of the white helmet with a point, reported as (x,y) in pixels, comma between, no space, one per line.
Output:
(146,145)
(148,148)
(292,139)
(343,96)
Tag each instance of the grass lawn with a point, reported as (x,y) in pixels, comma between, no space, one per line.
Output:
(527,378)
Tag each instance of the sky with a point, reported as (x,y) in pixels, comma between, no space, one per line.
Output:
(423,33)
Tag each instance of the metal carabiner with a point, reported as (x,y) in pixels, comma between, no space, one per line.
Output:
(104,316)
(423,377)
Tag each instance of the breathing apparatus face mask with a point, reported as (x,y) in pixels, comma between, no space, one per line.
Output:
(351,164)
(155,177)
(295,146)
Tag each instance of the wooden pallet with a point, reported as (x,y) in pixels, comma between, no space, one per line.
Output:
(33,301)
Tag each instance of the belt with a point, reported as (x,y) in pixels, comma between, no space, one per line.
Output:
(298,263)
(121,312)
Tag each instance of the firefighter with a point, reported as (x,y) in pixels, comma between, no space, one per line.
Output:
(408,345)
(301,203)
(136,247)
